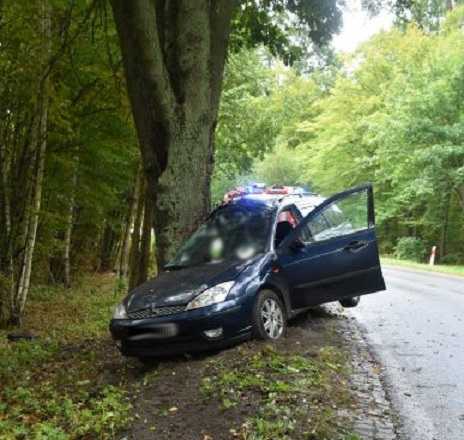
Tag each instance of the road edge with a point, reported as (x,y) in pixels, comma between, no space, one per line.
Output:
(412,421)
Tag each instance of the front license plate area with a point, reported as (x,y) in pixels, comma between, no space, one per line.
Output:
(154,331)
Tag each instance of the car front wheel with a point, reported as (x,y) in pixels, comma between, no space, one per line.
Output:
(350,302)
(269,321)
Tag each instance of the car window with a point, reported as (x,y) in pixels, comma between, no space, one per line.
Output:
(288,216)
(286,221)
(317,226)
(348,215)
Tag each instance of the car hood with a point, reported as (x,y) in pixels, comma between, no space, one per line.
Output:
(179,287)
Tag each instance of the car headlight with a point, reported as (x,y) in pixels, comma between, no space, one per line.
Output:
(213,295)
(120,312)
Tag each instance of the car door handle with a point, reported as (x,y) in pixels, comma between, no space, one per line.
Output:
(355,246)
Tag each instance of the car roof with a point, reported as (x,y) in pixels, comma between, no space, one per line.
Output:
(305,202)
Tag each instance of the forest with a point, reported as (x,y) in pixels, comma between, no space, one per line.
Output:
(73,194)
(80,213)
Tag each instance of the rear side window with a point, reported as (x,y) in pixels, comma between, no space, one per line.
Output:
(288,216)
(285,222)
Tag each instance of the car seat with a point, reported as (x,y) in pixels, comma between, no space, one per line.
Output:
(282,230)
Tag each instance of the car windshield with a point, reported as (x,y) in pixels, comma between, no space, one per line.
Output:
(231,233)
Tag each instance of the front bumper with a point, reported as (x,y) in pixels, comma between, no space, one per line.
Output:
(182,332)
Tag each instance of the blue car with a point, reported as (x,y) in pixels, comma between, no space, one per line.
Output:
(256,262)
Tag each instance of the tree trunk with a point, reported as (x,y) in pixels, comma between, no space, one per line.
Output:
(22,290)
(109,246)
(69,226)
(19,301)
(135,239)
(174,55)
(445,220)
(449,5)
(6,259)
(460,195)
(145,243)
(125,247)
(183,191)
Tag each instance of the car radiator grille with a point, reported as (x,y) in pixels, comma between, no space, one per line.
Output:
(155,312)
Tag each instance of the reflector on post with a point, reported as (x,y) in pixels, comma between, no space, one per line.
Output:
(432,255)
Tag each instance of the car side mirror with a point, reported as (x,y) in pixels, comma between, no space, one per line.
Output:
(296,245)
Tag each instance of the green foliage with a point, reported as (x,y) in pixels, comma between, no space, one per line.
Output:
(392,116)
(427,14)
(289,29)
(290,389)
(258,104)
(63,313)
(246,125)
(410,248)
(52,387)
(453,259)
(91,150)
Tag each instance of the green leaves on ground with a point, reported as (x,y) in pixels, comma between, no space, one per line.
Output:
(295,393)
(57,387)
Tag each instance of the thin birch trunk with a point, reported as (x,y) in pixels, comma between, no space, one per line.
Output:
(145,244)
(124,261)
(69,226)
(5,200)
(6,260)
(117,247)
(19,300)
(135,239)
(24,280)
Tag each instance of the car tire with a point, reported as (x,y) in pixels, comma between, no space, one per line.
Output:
(269,317)
(350,302)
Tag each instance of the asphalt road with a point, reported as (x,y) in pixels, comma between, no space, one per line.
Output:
(416,328)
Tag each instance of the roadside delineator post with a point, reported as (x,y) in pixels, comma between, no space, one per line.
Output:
(432,255)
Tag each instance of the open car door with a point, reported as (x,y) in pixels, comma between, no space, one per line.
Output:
(333,252)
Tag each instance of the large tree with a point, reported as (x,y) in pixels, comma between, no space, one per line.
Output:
(174,54)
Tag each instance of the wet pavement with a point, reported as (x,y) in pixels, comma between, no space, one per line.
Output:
(416,329)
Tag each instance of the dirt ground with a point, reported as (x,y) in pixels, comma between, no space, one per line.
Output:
(173,401)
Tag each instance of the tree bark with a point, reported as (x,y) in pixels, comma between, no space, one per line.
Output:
(145,243)
(6,258)
(135,239)
(125,247)
(19,301)
(445,220)
(449,5)
(69,227)
(22,290)
(460,195)
(109,245)
(174,54)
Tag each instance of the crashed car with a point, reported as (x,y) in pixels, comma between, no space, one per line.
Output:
(256,262)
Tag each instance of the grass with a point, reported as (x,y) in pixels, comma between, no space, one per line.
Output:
(296,395)
(450,270)
(71,383)
(56,387)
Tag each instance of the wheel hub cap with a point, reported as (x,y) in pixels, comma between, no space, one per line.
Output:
(272,318)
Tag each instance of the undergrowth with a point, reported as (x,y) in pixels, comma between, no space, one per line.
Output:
(297,395)
(56,387)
